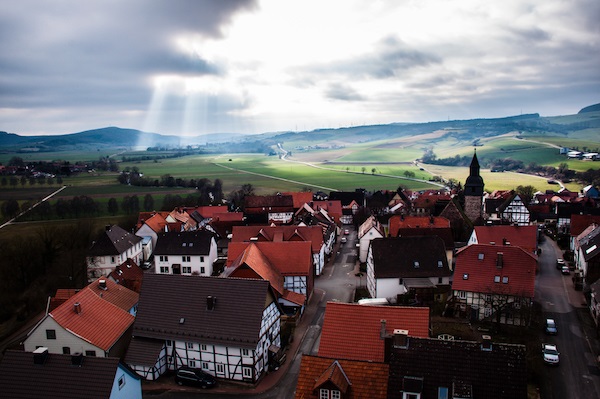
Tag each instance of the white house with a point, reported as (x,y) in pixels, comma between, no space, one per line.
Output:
(368,231)
(185,252)
(230,328)
(113,248)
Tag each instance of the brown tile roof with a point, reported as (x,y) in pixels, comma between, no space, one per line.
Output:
(56,377)
(352,331)
(211,211)
(365,380)
(114,293)
(420,256)
(99,322)
(155,221)
(235,320)
(128,274)
(300,197)
(252,257)
(519,236)
(492,374)
(62,294)
(479,263)
(262,203)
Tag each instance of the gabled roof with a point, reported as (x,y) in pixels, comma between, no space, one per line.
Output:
(155,221)
(364,379)
(266,201)
(479,264)
(235,319)
(209,211)
(445,233)
(197,242)
(581,222)
(589,241)
(347,197)
(352,331)
(20,377)
(400,221)
(114,241)
(128,274)
(61,295)
(370,223)
(98,321)
(252,258)
(500,372)
(300,197)
(419,256)
(520,236)
(278,233)
(114,293)
(290,258)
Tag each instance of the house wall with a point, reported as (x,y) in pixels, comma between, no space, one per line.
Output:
(485,308)
(516,212)
(163,264)
(319,260)
(389,287)
(151,373)
(98,266)
(64,338)
(282,217)
(296,284)
(365,242)
(126,386)
(371,275)
(146,231)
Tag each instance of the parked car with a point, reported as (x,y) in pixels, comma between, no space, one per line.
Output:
(560,263)
(551,327)
(550,354)
(196,377)
(565,270)
(343,240)
(346,232)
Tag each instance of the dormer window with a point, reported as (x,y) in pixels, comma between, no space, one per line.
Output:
(440,263)
(329,394)
(505,280)
(480,257)
(416,264)
(466,276)
(496,279)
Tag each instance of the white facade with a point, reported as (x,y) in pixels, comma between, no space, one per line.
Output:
(296,284)
(319,260)
(281,217)
(98,266)
(365,242)
(49,334)
(201,265)
(224,362)
(516,212)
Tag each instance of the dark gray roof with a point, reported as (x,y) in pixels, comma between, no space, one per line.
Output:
(184,243)
(395,257)
(144,351)
(175,307)
(56,377)
(114,241)
(497,373)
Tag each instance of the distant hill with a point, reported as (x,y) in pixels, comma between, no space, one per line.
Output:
(591,108)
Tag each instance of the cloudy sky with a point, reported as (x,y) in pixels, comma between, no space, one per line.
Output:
(188,67)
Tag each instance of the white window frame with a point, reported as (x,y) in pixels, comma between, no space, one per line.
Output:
(247,372)
(122,382)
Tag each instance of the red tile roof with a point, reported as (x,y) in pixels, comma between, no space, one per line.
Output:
(252,257)
(99,322)
(278,233)
(114,293)
(62,294)
(300,198)
(519,236)
(518,266)
(210,211)
(397,222)
(367,380)
(581,222)
(156,222)
(352,331)
(291,258)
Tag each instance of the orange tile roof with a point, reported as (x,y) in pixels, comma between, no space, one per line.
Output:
(248,255)
(366,380)
(479,263)
(209,211)
(99,322)
(156,222)
(352,331)
(114,293)
(312,234)
(519,236)
(290,258)
(397,222)
(62,294)
(300,198)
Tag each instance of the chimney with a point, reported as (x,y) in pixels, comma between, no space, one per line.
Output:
(486,343)
(505,241)
(382,333)
(431,219)
(77,307)
(40,355)
(211,302)
(77,359)
(500,260)
(400,339)
(102,284)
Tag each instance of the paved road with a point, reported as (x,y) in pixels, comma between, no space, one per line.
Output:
(577,376)
(337,283)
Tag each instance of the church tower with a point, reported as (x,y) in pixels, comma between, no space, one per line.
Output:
(474,191)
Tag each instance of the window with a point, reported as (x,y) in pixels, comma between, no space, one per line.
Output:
(164,258)
(487,312)
(442,393)
(203,347)
(496,279)
(50,334)
(466,276)
(410,395)
(66,350)
(324,394)
(90,353)
(185,258)
(416,264)
(202,259)
(192,363)
(164,269)
(220,368)
(205,365)
(462,294)
(480,257)
(202,270)
(112,259)
(440,280)
(335,394)
(186,269)
(190,345)
(247,372)
(121,382)
(440,263)
(168,343)
(245,352)
(505,280)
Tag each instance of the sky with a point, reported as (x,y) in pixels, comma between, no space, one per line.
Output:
(192,67)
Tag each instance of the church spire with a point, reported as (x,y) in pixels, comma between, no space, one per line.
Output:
(474,184)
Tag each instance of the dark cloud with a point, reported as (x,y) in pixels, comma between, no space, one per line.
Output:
(338,91)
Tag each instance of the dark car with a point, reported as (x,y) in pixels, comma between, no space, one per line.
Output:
(196,377)
(560,263)
(551,327)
